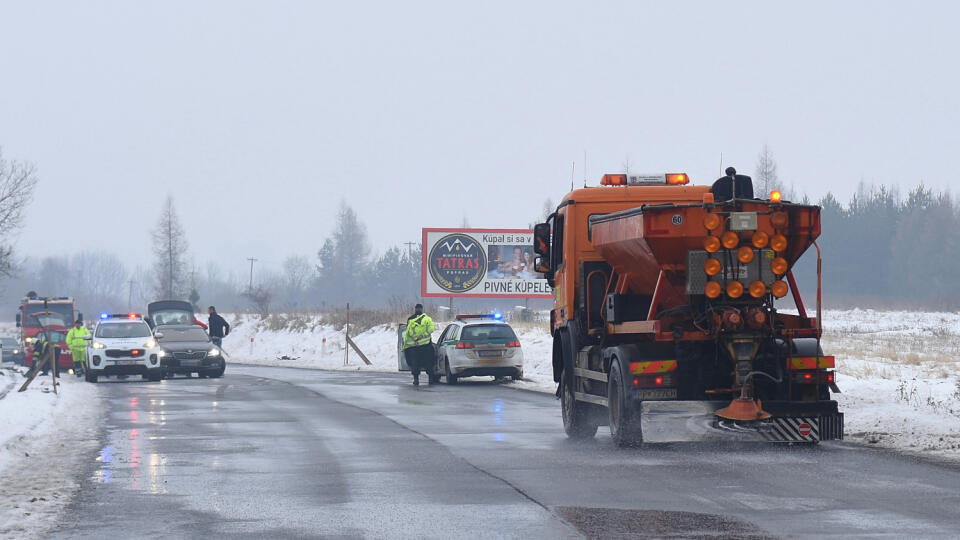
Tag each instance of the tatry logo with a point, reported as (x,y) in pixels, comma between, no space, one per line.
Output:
(457,264)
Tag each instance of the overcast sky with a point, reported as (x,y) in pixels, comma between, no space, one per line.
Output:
(261,117)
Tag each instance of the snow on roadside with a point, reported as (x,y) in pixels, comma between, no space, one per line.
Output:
(899,371)
(45,439)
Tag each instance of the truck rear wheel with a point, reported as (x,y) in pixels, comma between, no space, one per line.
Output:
(624,426)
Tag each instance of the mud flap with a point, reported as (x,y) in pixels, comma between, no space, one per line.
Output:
(696,421)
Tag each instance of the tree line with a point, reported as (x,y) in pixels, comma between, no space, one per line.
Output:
(880,249)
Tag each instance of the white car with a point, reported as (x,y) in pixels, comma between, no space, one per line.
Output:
(123,345)
(478,345)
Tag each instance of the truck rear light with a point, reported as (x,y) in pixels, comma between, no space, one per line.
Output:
(758,289)
(814,377)
(712,289)
(734,289)
(513,344)
(464,345)
(653,381)
(760,239)
(779,266)
(778,243)
(711,222)
(712,266)
(779,289)
(711,244)
(745,254)
(730,240)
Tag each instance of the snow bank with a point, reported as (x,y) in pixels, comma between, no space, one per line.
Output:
(899,371)
(45,439)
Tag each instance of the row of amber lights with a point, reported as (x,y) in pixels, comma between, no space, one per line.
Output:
(731,240)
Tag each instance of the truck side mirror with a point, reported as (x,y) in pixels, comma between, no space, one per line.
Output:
(88,337)
(18,320)
(541,239)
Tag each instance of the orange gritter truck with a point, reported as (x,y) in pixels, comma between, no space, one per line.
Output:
(665,326)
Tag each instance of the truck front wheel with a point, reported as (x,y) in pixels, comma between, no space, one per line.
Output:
(576,419)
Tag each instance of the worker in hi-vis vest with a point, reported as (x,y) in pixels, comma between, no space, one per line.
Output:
(417,346)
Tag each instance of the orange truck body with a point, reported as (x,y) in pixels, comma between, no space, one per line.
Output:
(628,264)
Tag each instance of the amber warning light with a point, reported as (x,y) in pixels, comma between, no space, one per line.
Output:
(670,179)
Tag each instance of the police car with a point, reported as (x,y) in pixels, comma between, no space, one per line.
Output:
(478,345)
(122,345)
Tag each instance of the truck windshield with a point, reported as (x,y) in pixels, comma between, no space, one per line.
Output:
(488,332)
(123,330)
(60,315)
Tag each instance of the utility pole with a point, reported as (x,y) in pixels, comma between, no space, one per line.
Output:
(416,286)
(252,260)
(130,297)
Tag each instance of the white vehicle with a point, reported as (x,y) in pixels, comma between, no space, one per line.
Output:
(123,345)
(478,345)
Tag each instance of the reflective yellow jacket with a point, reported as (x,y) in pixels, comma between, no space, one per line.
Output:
(75,338)
(418,331)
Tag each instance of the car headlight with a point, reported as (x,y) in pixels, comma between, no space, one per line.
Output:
(16,351)
(98,345)
(214,352)
(162,353)
(151,343)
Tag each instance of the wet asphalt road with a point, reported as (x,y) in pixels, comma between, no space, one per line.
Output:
(276,453)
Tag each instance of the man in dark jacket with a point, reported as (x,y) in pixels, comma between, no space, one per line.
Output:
(219,328)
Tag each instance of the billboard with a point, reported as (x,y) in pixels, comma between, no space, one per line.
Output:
(481,263)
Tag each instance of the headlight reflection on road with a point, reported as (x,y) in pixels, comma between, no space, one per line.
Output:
(103,473)
(498,418)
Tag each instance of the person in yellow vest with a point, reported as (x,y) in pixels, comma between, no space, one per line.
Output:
(78,346)
(417,345)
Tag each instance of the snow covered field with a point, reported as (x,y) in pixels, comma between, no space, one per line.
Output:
(45,440)
(899,372)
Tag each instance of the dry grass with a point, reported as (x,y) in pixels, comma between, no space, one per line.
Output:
(875,354)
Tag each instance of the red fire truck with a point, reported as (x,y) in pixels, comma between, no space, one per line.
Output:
(38,314)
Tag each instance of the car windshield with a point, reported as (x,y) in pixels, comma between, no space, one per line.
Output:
(487,332)
(183,334)
(123,330)
(8,343)
(172,316)
(60,315)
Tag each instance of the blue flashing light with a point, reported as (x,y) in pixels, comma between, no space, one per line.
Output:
(104,315)
(498,316)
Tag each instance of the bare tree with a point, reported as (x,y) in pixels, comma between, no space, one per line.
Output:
(260,296)
(765,175)
(170,252)
(99,280)
(17,182)
(297,272)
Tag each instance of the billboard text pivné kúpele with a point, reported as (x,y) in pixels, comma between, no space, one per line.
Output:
(481,263)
